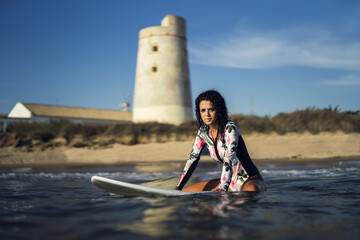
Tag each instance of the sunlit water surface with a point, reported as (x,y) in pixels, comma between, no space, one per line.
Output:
(303,201)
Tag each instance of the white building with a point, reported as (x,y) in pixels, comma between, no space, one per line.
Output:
(41,112)
(162,85)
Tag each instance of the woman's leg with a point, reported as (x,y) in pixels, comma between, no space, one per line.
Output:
(254,184)
(207,185)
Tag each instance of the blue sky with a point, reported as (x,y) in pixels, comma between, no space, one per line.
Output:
(286,55)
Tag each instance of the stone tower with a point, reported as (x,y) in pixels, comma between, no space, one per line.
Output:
(162,85)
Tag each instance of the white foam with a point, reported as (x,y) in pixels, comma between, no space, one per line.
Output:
(332,172)
(124,176)
(84,175)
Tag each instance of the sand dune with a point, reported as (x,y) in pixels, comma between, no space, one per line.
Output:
(261,147)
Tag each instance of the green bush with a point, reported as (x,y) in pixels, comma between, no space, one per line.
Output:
(87,130)
(316,121)
(42,131)
(53,127)
(249,124)
(311,119)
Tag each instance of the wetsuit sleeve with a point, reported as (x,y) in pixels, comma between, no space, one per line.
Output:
(231,142)
(244,158)
(192,162)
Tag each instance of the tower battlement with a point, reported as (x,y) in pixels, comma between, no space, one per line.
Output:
(170,25)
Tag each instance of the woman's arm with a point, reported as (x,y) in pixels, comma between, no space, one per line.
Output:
(230,144)
(192,162)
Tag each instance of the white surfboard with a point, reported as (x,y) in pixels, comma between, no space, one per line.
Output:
(135,190)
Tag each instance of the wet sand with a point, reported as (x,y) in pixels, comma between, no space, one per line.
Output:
(261,147)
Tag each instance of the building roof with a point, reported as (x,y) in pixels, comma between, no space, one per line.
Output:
(42,110)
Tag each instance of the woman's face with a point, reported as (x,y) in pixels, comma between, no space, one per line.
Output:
(208,113)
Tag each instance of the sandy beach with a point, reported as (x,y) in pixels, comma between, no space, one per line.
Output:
(261,147)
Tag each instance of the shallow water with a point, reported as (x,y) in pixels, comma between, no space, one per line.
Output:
(303,201)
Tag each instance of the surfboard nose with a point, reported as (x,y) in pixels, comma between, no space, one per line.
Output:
(93,179)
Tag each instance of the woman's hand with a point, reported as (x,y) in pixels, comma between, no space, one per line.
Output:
(218,189)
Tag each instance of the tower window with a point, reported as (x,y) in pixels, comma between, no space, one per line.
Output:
(154,69)
(155,48)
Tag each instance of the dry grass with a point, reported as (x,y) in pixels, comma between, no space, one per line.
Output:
(311,120)
(317,120)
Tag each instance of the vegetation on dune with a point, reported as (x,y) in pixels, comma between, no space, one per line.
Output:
(57,133)
(252,123)
(316,120)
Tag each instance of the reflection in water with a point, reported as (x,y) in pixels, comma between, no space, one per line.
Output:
(163,216)
(216,215)
(205,213)
(161,213)
(220,204)
(157,219)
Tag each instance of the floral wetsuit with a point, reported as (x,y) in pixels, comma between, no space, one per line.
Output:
(230,151)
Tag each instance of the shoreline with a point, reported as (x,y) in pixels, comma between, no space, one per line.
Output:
(74,166)
(263,148)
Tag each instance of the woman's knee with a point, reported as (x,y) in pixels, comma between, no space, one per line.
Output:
(207,185)
(254,186)
(212,184)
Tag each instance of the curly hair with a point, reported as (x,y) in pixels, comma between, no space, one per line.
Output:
(220,107)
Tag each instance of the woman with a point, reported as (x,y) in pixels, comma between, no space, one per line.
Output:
(225,145)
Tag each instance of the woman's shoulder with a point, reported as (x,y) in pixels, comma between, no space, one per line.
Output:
(230,126)
(230,122)
(203,130)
